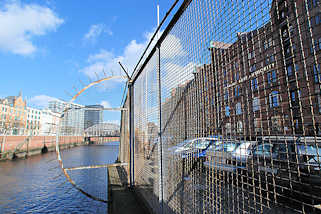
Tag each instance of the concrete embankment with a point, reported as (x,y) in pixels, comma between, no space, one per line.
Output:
(122,199)
(37,151)
(23,146)
(10,143)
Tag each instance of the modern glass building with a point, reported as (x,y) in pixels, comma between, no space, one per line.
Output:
(73,118)
(94,116)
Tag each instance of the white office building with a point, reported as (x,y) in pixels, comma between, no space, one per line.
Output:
(33,125)
(49,123)
(73,117)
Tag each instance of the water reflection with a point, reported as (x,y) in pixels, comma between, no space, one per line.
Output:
(32,185)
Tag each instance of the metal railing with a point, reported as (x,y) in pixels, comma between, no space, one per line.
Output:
(225,110)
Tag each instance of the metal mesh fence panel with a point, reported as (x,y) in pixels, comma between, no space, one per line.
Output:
(232,89)
(84,163)
(124,146)
(146,126)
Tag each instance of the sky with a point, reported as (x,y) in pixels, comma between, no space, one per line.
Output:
(50,49)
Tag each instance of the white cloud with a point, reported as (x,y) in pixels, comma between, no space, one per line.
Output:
(172,47)
(19,23)
(40,101)
(105,103)
(103,55)
(176,74)
(95,31)
(107,62)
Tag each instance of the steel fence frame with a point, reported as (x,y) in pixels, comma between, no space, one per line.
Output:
(272,108)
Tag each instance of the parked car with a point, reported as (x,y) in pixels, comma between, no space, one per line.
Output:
(193,153)
(183,146)
(217,156)
(197,148)
(290,162)
(241,154)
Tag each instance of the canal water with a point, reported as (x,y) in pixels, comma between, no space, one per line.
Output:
(37,185)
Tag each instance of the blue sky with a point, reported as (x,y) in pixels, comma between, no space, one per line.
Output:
(48,46)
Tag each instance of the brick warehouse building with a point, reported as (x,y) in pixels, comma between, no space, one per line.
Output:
(265,83)
(268,81)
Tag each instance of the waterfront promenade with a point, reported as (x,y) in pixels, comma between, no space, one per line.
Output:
(121,198)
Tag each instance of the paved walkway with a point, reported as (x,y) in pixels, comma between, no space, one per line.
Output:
(122,200)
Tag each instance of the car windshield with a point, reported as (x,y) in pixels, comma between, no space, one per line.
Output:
(188,144)
(230,146)
(226,146)
(183,143)
(242,149)
(215,145)
(309,150)
(201,144)
(263,149)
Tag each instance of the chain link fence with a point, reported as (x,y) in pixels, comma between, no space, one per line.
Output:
(225,110)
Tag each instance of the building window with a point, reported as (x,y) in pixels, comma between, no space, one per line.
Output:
(316,72)
(268,43)
(276,123)
(239,127)
(269,59)
(237,90)
(274,99)
(227,111)
(285,33)
(298,126)
(254,84)
(315,3)
(237,76)
(236,65)
(251,55)
(317,19)
(319,102)
(309,4)
(226,95)
(238,109)
(288,52)
(289,70)
(293,96)
(291,29)
(228,128)
(225,83)
(316,45)
(252,68)
(271,77)
(256,104)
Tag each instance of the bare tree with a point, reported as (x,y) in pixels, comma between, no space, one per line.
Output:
(9,127)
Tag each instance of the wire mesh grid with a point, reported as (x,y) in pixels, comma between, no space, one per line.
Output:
(227,110)
(80,125)
(146,132)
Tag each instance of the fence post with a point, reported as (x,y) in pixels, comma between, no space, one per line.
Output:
(131,134)
(161,186)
